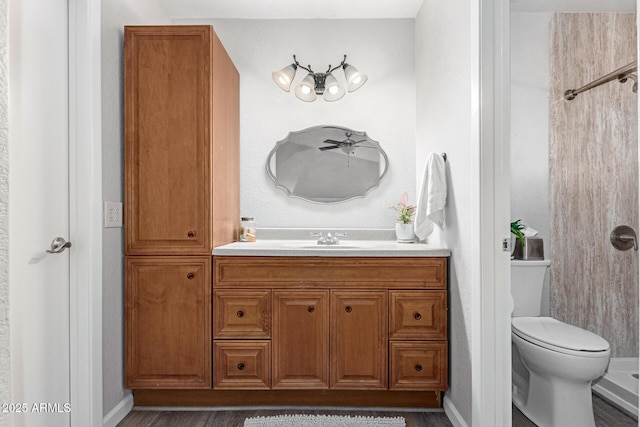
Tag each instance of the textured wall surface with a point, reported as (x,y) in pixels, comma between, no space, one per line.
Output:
(384,107)
(444,121)
(594,177)
(5,369)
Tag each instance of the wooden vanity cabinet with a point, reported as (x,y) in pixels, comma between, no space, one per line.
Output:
(181,184)
(181,153)
(341,323)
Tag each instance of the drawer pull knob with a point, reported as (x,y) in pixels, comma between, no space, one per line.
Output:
(311,309)
(417,316)
(240,313)
(240,366)
(418,367)
(191,234)
(348,309)
(190,276)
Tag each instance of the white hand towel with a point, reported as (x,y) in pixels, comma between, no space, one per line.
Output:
(433,197)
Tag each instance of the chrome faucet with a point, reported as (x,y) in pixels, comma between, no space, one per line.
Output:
(329,238)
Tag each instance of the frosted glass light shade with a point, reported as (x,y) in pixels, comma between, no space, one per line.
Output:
(332,89)
(355,79)
(306,90)
(284,77)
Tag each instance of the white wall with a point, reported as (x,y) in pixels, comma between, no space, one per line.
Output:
(115,15)
(384,107)
(444,119)
(5,356)
(530,127)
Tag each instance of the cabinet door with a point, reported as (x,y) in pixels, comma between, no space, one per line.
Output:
(168,322)
(300,339)
(359,339)
(167,140)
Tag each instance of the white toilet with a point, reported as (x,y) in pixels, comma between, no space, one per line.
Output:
(553,363)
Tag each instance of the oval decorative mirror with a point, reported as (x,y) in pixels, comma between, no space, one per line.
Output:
(327,164)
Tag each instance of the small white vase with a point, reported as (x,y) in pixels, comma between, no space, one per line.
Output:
(404,233)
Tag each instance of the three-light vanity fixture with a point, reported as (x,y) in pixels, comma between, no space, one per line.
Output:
(314,84)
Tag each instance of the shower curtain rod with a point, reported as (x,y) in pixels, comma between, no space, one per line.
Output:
(621,74)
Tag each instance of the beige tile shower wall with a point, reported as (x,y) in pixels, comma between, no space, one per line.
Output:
(593,164)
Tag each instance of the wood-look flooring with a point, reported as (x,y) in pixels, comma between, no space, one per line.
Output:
(235,418)
(605,415)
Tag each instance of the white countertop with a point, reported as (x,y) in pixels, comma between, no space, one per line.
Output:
(346,248)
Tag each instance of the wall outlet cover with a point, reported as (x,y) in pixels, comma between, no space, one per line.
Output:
(112,214)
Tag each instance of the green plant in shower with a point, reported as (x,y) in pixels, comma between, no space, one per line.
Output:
(516,228)
(406,211)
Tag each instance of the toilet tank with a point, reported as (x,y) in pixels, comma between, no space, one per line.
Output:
(527,279)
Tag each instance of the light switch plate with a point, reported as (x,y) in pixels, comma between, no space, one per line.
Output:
(112,214)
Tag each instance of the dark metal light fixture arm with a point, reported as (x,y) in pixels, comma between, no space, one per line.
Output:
(329,69)
(295,61)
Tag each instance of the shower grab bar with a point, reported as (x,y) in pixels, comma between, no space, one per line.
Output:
(621,74)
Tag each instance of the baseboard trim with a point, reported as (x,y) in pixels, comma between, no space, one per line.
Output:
(368,398)
(120,411)
(453,414)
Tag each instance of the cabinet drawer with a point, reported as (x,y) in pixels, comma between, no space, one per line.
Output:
(418,366)
(323,272)
(418,315)
(242,314)
(241,365)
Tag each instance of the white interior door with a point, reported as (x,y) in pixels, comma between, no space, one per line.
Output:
(39,212)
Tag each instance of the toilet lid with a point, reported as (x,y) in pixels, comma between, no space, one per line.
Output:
(546,330)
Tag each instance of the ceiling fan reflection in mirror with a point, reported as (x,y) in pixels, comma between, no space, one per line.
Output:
(347,145)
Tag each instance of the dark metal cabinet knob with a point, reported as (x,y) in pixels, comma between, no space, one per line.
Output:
(311,309)
(191,234)
(240,313)
(417,316)
(240,366)
(190,276)
(348,309)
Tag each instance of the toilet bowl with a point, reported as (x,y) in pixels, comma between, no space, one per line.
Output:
(562,361)
(553,363)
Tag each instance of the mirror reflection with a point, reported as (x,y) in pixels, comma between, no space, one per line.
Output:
(327,164)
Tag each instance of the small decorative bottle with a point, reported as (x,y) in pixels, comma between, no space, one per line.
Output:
(247,229)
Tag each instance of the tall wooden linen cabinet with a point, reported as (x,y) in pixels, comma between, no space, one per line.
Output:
(181,173)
